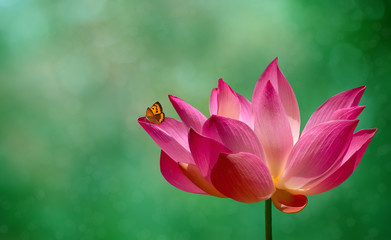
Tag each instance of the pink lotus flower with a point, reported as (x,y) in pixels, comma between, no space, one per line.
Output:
(251,152)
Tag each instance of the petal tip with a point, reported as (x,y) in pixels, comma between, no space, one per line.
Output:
(361,90)
(372,131)
(221,82)
(352,122)
(173,99)
(142,120)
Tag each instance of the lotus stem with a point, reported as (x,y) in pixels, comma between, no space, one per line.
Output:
(268,219)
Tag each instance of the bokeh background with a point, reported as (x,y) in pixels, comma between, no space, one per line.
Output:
(75,75)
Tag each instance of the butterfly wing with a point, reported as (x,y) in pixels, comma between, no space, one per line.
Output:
(159,105)
(160,117)
(155,114)
(151,116)
(157,108)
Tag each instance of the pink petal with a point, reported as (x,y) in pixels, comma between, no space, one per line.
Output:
(205,152)
(173,174)
(245,111)
(360,138)
(189,115)
(213,102)
(346,99)
(350,113)
(272,127)
(243,177)
(234,134)
(316,153)
(192,173)
(228,102)
(285,92)
(287,202)
(171,136)
(359,144)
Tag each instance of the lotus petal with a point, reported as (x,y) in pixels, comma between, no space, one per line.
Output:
(288,202)
(245,111)
(234,134)
(213,106)
(347,113)
(346,99)
(173,174)
(243,177)
(205,152)
(316,153)
(285,92)
(228,104)
(359,144)
(171,136)
(192,173)
(189,115)
(272,127)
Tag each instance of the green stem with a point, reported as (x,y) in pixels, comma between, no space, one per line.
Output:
(268,219)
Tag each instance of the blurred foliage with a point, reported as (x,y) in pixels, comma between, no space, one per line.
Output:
(76,75)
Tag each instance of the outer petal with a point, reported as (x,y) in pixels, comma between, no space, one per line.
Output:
(234,134)
(243,177)
(287,202)
(360,142)
(347,113)
(171,136)
(245,111)
(346,99)
(316,153)
(213,102)
(228,102)
(192,173)
(284,90)
(173,174)
(205,152)
(272,127)
(190,116)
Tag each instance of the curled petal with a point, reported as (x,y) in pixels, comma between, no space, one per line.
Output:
(243,177)
(347,113)
(192,173)
(190,116)
(234,134)
(287,202)
(316,153)
(359,144)
(171,136)
(285,92)
(228,104)
(346,99)
(173,174)
(205,152)
(272,127)
(245,111)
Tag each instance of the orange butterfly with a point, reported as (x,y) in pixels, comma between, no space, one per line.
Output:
(155,114)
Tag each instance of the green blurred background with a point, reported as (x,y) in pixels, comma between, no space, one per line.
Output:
(75,75)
